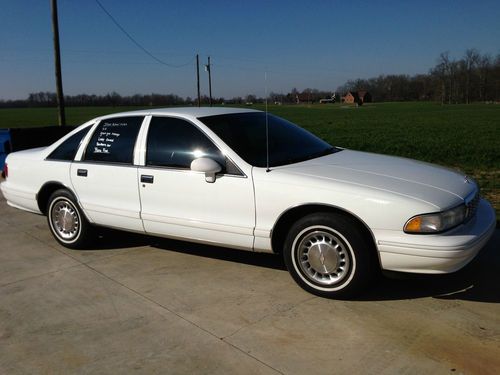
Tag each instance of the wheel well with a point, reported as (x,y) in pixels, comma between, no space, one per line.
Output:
(44,194)
(286,220)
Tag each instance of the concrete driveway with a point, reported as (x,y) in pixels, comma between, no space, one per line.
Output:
(150,306)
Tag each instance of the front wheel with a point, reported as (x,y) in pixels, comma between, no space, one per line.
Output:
(66,221)
(328,255)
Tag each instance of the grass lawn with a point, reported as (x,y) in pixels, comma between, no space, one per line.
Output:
(459,136)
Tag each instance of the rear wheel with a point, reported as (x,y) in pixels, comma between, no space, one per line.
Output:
(327,254)
(67,222)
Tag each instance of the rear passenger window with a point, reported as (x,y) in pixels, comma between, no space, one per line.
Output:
(114,140)
(67,150)
(175,143)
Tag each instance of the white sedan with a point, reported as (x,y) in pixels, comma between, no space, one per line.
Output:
(249,180)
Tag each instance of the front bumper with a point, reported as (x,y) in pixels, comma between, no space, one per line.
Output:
(437,253)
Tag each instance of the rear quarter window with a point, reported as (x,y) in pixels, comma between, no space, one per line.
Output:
(66,151)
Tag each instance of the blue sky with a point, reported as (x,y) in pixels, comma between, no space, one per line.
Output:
(317,44)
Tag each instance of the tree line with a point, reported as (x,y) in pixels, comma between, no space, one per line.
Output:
(473,77)
(49,99)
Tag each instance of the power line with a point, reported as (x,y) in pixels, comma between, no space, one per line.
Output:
(137,43)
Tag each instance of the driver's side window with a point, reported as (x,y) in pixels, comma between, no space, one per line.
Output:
(175,143)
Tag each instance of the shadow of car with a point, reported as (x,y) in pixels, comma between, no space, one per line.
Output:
(479,281)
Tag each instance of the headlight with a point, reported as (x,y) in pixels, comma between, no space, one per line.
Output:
(437,222)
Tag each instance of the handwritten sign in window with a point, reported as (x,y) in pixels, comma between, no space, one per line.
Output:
(106,138)
(113,140)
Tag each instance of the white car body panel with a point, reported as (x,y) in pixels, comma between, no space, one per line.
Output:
(182,204)
(382,192)
(33,172)
(109,194)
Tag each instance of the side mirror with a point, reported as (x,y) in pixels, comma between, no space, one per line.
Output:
(208,166)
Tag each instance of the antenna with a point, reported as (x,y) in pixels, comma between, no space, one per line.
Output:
(267,125)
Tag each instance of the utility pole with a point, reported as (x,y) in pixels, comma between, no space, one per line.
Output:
(198,78)
(209,70)
(57,58)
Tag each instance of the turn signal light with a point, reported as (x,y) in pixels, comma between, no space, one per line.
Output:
(414,224)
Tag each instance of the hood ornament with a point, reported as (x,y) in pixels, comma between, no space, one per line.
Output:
(466,180)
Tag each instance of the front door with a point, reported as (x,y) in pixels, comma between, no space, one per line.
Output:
(177,202)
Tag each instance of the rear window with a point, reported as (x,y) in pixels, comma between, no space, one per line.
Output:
(114,140)
(66,151)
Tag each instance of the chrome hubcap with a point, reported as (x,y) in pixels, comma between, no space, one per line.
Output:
(323,257)
(65,220)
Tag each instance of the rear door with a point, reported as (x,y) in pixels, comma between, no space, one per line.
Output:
(104,176)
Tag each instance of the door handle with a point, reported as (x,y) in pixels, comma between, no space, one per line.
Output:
(81,172)
(147,179)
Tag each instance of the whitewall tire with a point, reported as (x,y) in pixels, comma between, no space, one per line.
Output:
(66,221)
(327,254)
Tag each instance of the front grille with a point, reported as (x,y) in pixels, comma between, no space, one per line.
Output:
(471,207)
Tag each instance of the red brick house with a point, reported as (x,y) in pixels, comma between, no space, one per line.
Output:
(360,97)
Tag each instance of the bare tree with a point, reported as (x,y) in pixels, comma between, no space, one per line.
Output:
(470,61)
(483,68)
(443,70)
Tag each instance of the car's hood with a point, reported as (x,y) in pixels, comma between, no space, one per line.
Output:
(423,181)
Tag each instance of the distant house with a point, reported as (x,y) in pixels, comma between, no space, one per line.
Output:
(359,97)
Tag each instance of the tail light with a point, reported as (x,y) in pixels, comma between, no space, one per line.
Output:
(5,172)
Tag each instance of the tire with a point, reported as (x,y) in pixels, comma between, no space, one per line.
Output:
(67,222)
(328,255)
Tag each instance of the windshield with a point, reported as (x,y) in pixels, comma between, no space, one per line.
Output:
(245,133)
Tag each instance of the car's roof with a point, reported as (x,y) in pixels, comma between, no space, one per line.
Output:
(191,112)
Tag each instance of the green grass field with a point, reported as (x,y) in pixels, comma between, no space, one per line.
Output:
(466,137)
